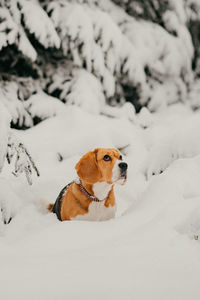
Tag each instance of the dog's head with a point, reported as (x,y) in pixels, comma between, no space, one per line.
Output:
(102,165)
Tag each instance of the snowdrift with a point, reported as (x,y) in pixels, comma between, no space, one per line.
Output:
(149,251)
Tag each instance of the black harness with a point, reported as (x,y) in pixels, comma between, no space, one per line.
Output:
(57,205)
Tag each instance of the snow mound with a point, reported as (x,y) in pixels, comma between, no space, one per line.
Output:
(152,242)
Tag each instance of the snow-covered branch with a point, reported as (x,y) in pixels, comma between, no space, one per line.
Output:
(23,160)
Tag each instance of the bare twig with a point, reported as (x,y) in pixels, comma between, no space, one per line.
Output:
(124,147)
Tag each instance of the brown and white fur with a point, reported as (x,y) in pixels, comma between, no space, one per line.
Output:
(98,171)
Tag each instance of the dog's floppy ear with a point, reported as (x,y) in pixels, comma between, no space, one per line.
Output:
(87,167)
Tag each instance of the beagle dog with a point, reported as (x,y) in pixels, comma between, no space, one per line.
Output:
(91,196)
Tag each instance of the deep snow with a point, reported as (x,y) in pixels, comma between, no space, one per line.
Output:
(148,251)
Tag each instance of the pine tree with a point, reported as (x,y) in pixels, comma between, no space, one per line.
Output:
(137,51)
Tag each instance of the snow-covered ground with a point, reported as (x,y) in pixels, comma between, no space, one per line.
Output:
(149,251)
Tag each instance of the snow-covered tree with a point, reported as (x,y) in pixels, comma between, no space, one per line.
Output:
(93,53)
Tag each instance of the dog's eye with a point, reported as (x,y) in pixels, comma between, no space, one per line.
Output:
(120,158)
(106,158)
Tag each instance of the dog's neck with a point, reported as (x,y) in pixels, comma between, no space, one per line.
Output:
(100,190)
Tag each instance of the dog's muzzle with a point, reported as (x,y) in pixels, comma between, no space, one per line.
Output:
(123,169)
(123,166)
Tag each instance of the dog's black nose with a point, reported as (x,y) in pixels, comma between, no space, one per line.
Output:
(123,166)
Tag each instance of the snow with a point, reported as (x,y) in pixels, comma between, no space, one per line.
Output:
(95,40)
(33,12)
(86,92)
(13,33)
(4,125)
(9,91)
(117,49)
(166,56)
(43,106)
(7,22)
(149,251)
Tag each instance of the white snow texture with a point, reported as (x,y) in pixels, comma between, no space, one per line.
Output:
(151,249)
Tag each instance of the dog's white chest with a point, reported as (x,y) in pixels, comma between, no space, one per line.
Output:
(98,212)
